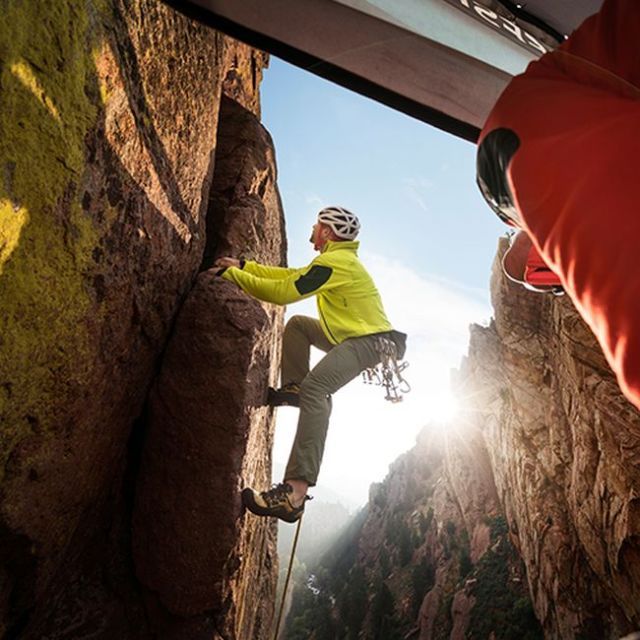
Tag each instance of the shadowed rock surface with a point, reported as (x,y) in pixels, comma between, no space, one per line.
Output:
(208,429)
(244,181)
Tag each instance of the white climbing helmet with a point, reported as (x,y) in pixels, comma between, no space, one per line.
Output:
(343,223)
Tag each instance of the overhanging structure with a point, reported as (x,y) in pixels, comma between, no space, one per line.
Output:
(442,61)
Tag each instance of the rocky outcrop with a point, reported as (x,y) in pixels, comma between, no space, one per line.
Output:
(108,126)
(207,431)
(429,557)
(243,74)
(208,428)
(244,182)
(564,445)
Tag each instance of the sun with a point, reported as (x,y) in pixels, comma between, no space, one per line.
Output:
(443,406)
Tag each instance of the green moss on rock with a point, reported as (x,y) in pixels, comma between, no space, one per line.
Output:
(47,98)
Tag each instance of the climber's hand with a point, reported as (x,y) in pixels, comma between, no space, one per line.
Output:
(223,263)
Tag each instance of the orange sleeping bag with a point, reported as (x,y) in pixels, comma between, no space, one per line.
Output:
(559,156)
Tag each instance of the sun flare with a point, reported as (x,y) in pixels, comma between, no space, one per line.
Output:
(442,407)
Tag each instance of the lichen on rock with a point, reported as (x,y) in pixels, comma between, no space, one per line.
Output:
(108,127)
(46,111)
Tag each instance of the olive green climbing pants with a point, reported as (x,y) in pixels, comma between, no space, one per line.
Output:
(342,363)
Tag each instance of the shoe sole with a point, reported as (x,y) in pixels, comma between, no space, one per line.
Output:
(250,504)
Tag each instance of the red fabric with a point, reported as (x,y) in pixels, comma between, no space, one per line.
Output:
(575,176)
(536,271)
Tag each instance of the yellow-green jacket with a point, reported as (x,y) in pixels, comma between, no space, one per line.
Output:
(349,304)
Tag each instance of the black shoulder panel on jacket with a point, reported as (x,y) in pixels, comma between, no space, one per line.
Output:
(313,279)
(494,155)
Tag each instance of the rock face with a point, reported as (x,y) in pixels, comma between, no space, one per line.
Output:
(244,181)
(428,558)
(564,447)
(108,127)
(207,431)
(207,426)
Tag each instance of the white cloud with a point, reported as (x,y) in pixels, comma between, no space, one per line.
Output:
(314,200)
(419,183)
(416,198)
(416,188)
(366,432)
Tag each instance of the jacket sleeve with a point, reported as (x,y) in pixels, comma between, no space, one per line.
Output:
(265,271)
(300,284)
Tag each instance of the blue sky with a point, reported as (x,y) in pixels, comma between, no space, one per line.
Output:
(413,186)
(427,238)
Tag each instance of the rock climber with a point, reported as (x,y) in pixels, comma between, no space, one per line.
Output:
(558,158)
(351,324)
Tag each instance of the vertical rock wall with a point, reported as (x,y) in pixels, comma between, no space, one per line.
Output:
(208,429)
(564,447)
(108,125)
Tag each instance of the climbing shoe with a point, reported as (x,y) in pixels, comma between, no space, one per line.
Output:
(274,502)
(287,396)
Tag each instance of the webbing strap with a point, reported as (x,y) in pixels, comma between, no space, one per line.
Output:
(388,372)
(286,582)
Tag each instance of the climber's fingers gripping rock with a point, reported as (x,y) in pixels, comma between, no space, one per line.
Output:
(226,261)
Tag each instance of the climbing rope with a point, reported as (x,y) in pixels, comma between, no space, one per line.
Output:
(286,582)
(388,372)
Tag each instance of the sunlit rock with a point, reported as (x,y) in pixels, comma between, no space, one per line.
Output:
(108,132)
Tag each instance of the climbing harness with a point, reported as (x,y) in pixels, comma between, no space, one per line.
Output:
(388,372)
(286,582)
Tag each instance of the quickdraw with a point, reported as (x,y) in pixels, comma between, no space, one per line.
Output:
(388,372)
